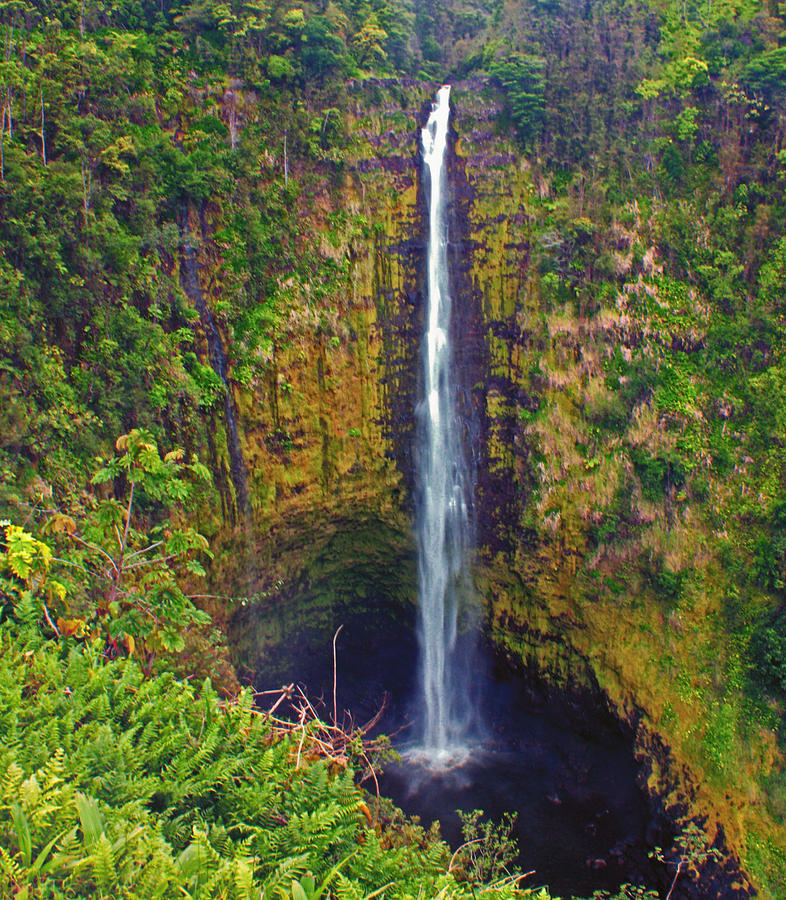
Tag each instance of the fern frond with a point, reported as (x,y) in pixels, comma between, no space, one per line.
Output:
(9,787)
(344,889)
(220,840)
(22,828)
(90,819)
(243,879)
(10,868)
(103,863)
(287,870)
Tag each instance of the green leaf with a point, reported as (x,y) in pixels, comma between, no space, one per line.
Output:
(40,860)
(105,473)
(192,859)
(298,893)
(22,828)
(90,818)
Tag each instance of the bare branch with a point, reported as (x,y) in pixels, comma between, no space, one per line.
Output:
(459,849)
(128,522)
(145,550)
(43,124)
(97,549)
(68,562)
(335,636)
(49,620)
(302,738)
(286,693)
(676,876)
(150,562)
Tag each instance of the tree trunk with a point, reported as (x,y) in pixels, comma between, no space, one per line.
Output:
(87,185)
(43,125)
(2,147)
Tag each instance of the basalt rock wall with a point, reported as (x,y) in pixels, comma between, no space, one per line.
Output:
(329,446)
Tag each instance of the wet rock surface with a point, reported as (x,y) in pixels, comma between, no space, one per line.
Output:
(337,444)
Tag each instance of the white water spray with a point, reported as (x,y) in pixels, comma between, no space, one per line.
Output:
(442,523)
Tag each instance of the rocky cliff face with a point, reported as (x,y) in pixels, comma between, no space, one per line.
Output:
(328,445)
(329,442)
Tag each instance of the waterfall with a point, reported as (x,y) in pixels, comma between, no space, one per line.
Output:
(442,517)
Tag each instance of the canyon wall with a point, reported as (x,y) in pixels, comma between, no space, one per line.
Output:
(572,547)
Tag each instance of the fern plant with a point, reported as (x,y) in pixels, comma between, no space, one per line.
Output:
(119,786)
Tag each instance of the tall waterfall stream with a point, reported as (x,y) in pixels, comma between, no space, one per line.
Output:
(562,763)
(527,762)
(524,759)
(442,520)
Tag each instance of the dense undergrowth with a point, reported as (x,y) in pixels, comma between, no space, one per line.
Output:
(117,785)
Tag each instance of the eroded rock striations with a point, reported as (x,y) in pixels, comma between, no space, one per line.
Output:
(334,432)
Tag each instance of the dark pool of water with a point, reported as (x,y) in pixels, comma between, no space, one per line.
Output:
(561,763)
(582,820)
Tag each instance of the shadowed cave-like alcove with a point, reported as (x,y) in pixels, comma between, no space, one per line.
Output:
(356,572)
(562,762)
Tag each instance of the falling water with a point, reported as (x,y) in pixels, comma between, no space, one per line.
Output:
(442,517)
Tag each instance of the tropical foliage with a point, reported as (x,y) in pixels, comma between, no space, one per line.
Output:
(113,784)
(165,238)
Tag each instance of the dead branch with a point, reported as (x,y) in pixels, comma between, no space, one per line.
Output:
(337,744)
(335,636)
(459,849)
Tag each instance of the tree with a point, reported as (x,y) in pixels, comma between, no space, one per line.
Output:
(521,77)
(323,50)
(122,563)
(367,43)
(693,851)
(766,75)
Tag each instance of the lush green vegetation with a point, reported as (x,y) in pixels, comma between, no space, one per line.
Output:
(118,566)
(659,463)
(141,144)
(117,785)
(165,238)
(683,196)
(117,782)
